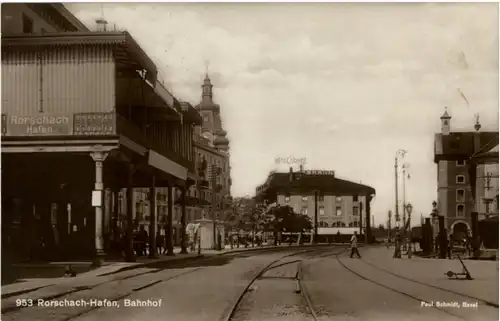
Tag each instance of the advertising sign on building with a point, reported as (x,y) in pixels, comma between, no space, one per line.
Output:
(320,172)
(39,125)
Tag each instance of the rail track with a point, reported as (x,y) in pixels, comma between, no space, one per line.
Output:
(231,314)
(409,295)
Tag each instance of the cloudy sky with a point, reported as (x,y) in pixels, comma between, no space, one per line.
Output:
(343,85)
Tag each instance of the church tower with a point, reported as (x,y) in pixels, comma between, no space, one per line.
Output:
(445,123)
(212,128)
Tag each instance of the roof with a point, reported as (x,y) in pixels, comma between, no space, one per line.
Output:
(460,145)
(281,183)
(446,115)
(129,50)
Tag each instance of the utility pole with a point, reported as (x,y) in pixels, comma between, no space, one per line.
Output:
(399,152)
(389,223)
(315,231)
(396,184)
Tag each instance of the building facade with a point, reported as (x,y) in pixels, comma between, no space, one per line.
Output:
(333,210)
(453,151)
(343,206)
(68,141)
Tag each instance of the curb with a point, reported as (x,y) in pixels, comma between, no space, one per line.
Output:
(184,258)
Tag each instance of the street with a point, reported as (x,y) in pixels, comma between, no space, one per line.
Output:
(263,285)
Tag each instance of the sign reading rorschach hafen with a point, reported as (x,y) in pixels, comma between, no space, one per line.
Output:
(39,125)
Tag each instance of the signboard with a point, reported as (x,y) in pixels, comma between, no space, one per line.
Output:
(94,124)
(39,125)
(320,172)
(96,198)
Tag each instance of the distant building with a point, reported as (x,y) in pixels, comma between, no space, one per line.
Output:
(341,204)
(453,151)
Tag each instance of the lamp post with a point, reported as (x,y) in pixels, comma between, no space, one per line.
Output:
(409,209)
(434,217)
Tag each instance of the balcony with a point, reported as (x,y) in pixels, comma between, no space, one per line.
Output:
(136,134)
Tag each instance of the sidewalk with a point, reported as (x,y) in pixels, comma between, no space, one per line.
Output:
(62,285)
(484,285)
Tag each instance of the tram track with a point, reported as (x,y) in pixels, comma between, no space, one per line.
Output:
(406,294)
(131,288)
(488,303)
(238,304)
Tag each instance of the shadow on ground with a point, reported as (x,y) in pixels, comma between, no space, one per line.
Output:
(15,274)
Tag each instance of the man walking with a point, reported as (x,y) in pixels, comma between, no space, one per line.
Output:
(354,246)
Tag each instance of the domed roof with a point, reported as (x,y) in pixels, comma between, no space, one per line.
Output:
(221,141)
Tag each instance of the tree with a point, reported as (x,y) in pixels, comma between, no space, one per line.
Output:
(283,218)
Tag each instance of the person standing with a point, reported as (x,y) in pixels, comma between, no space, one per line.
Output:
(354,245)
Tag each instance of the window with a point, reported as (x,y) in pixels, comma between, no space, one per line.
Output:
(338,211)
(321,210)
(355,198)
(27,24)
(460,179)
(460,195)
(304,211)
(287,199)
(355,223)
(445,123)
(355,211)
(460,210)
(338,199)
(461,163)
(321,198)
(304,198)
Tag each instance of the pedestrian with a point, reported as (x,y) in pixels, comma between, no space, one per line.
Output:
(397,247)
(450,246)
(354,245)
(160,239)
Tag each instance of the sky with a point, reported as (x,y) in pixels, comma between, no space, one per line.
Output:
(343,85)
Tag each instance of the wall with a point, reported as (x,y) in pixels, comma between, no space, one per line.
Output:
(58,80)
(12,19)
(329,204)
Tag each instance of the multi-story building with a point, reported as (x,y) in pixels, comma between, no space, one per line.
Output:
(453,151)
(343,206)
(83,115)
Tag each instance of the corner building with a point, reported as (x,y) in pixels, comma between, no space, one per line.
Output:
(453,152)
(343,206)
